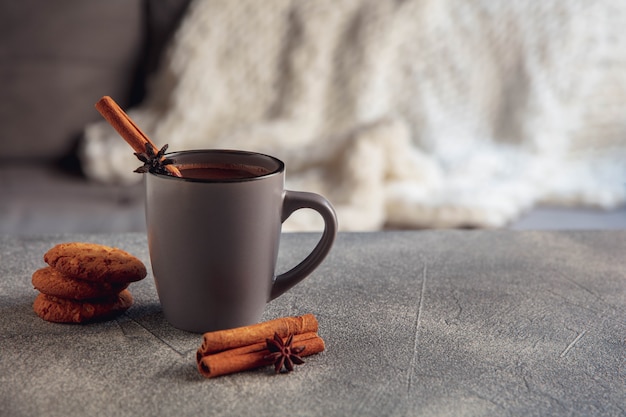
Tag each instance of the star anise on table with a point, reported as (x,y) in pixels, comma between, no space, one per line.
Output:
(283,354)
(154,163)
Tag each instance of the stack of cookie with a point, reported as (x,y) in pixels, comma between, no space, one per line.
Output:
(85,282)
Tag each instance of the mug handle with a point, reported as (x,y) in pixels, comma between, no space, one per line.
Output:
(295,200)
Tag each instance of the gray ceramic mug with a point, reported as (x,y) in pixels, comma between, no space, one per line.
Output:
(214,236)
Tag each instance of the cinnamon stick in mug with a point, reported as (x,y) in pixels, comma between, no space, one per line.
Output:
(221,340)
(127,129)
(252,356)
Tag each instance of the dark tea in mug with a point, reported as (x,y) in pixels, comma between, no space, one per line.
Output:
(224,171)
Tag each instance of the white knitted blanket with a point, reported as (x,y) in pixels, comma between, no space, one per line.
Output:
(414,113)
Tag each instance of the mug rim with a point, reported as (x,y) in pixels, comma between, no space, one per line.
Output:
(279,170)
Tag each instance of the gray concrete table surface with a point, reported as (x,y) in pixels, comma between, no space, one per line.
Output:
(422,323)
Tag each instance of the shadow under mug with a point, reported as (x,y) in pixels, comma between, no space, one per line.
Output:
(214,236)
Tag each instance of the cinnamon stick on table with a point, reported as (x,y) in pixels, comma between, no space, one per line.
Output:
(252,356)
(128,130)
(232,338)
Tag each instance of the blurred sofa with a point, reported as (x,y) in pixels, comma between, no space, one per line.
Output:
(56,60)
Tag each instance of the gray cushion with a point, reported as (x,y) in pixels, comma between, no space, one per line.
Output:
(56,59)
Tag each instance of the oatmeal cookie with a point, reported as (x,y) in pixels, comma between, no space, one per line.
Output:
(62,310)
(53,282)
(96,263)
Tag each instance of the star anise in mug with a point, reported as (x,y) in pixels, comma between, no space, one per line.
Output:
(154,163)
(283,354)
